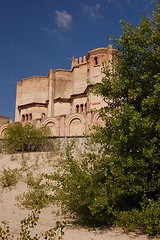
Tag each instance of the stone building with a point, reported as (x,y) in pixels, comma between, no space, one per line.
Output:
(3,120)
(3,124)
(62,100)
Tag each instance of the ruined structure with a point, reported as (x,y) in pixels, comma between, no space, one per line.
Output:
(62,100)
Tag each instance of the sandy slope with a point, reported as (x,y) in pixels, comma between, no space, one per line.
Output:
(38,163)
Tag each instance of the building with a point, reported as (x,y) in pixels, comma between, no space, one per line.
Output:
(4,120)
(62,100)
(3,124)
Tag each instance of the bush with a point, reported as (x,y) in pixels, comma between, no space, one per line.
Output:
(9,177)
(147,219)
(37,196)
(81,189)
(28,138)
(97,191)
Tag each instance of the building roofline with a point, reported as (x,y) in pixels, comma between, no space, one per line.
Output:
(61,70)
(36,76)
(96,51)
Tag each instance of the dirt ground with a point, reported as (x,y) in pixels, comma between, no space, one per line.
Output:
(12,213)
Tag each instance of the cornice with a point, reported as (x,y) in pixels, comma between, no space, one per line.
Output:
(33,104)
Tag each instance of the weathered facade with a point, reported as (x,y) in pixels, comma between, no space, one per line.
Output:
(62,100)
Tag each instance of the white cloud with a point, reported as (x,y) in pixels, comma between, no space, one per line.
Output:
(63,20)
(92,11)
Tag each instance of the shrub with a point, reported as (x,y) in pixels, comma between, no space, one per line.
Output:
(28,138)
(37,196)
(9,177)
(81,189)
(97,191)
(147,219)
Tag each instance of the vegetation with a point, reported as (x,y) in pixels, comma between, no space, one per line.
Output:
(29,223)
(37,196)
(9,177)
(27,138)
(121,185)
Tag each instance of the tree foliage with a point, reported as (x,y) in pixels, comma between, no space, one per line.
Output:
(122,184)
(19,138)
(131,88)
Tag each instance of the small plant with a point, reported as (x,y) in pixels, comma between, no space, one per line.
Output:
(55,232)
(37,196)
(9,177)
(37,157)
(24,160)
(29,223)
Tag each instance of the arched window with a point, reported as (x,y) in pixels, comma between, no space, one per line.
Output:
(85,107)
(77,108)
(96,60)
(43,115)
(23,118)
(30,116)
(26,117)
(81,108)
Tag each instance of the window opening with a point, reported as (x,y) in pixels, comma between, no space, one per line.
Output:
(30,116)
(81,108)
(77,108)
(85,107)
(43,115)
(23,117)
(96,60)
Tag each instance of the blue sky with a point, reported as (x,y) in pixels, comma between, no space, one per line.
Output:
(36,35)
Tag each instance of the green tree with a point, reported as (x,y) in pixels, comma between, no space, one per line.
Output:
(122,184)
(19,138)
(131,88)
(131,137)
